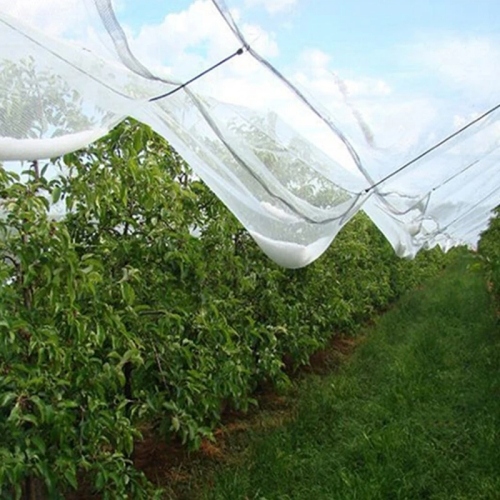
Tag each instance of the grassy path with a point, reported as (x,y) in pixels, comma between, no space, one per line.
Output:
(414,413)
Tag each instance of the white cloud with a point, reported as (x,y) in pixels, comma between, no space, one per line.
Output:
(272,6)
(188,42)
(53,17)
(315,70)
(402,120)
(470,64)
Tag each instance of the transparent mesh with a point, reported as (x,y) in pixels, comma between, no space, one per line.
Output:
(293,157)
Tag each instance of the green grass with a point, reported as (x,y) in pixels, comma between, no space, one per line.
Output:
(413,414)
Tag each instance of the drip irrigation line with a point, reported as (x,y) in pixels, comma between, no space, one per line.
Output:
(433,148)
(239,52)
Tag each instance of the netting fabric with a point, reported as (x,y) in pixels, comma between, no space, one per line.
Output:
(293,166)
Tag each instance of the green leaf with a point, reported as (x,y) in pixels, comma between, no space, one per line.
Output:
(176,424)
(70,475)
(56,194)
(28,417)
(8,398)
(39,443)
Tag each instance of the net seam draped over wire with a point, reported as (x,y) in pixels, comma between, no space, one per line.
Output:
(292,191)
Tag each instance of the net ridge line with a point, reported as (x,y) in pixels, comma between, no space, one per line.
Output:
(226,14)
(239,52)
(108,18)
(119,39)
(233,26)
(433,148)
(107,15)
(265,186)
(427,194)
(465,214)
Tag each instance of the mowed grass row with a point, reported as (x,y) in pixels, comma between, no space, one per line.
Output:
(413,414)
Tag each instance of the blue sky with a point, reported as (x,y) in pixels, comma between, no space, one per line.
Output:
(410,72)
(358,33)
(424,64)
(405,45)
(414,71)
(365,33)
(395,76)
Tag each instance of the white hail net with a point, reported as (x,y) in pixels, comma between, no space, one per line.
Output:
(292,171)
